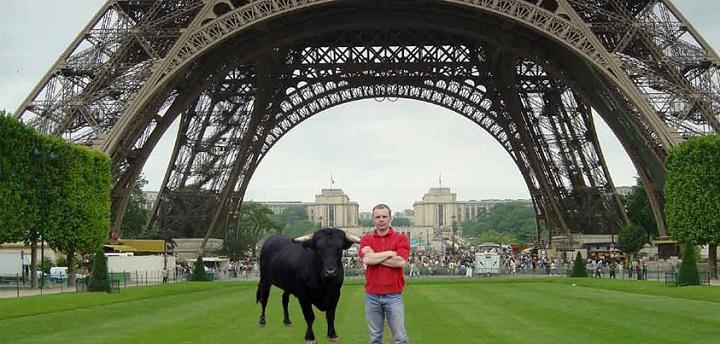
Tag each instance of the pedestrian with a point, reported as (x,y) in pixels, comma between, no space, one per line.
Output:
(385,252)
(644,271)
(165,275)
(612,270)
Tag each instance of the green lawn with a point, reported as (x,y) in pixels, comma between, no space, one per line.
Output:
(438,311)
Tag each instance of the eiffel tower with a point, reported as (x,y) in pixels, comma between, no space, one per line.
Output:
(240,74)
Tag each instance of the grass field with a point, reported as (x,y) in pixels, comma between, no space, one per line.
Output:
(437,311)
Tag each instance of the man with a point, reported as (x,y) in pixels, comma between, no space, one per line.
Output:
(385,253)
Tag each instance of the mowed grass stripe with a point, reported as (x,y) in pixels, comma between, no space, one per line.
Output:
(437,312)
(140,319)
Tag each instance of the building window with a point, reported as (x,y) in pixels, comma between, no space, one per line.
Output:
(440,215)
(331,216)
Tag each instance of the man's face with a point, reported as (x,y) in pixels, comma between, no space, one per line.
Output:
(381,217)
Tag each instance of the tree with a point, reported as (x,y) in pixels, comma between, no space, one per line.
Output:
(579,266)
(99,280)
(78,201)
(639,211)
(20,212)
(199,273)
(514,221)
(400,222)
(53,189)
(301,228)
(136,214)
(688,274)
(290,216)
(631,238)
(692,194)
(366,223)
(250,224)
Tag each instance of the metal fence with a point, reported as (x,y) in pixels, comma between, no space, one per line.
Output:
(16,286)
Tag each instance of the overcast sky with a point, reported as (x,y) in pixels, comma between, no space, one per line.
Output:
(389,152)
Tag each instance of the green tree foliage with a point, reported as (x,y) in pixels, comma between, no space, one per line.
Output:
(54,189)
(692,194)
(514,221)
(136,214)
(19,213)
(46,264)
(198,273)
(61,261)
(631,238)
(400,222)
(301,228)
(368,223)
(293,222)
(99,279)
(290,216)
(249,226)
(579,266)
(688,274)
(639,210)
(78,200)
(493,236)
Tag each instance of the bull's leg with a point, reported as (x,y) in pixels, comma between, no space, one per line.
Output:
(263,293)
(330,317)
(309,318)
(286,315)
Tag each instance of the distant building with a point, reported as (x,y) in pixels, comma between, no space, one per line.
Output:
(623,190)
(332,208)
(439,208)
(150,199)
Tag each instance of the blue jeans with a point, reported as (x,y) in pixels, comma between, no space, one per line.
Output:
(377,308)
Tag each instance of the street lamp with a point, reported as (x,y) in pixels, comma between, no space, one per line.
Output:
(42,158)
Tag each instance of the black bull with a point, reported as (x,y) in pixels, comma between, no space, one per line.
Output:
(308,267)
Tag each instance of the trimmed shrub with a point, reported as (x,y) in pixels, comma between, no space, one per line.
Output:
(198,273)
(99,280)
(579,266)
(688,269)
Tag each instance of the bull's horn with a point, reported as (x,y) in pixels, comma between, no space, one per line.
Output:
(351,237)
(303,238)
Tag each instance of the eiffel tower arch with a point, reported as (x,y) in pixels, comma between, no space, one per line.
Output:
(240,74)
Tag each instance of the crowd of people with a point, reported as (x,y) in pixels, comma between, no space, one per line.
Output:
(462,262)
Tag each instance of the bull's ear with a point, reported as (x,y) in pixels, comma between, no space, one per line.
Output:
(350,240)
(308,245)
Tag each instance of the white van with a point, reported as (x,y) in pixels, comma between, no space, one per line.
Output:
(58,273)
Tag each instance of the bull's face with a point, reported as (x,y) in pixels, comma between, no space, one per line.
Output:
(328,244)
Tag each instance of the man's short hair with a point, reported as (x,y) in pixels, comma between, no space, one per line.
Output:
(381,206)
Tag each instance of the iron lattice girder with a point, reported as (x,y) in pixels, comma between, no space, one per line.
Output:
(128,61)
(665,58)
(95,79)
(325,83)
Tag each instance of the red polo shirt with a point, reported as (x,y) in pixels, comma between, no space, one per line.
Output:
(380,279)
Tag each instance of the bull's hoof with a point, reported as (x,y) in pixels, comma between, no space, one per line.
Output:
(334,339)
(310,341)
(287,323)
(262,325)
